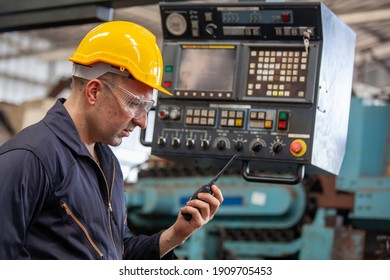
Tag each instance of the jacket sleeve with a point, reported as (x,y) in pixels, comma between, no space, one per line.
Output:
(23,185)
(143,247)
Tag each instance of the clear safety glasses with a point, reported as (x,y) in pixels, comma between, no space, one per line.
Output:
(133,104)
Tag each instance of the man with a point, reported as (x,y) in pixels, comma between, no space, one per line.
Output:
(61,188)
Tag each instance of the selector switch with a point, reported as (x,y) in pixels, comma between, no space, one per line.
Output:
(277,147)
(221,144)
(211,29)
(256,147)
(239,145)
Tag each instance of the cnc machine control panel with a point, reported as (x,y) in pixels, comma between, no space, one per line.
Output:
(269,82)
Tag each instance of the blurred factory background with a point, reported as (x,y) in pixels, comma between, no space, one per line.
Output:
(344,216)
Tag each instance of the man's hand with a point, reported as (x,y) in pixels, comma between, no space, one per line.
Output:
(202,210)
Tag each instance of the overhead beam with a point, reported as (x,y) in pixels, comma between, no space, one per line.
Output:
(23,6)
(27,14)
(55,17)
(368,16)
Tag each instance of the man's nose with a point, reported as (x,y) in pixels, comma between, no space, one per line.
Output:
(141,122)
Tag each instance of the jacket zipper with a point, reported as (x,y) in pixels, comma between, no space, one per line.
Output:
(77,221)
(111,212)
(109,207)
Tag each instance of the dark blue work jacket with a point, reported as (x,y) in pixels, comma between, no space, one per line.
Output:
(56,202)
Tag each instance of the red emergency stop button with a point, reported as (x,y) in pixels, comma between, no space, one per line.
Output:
(285,17)
(298,147)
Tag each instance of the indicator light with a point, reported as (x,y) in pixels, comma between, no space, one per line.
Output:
(282,125)
(283,116)
(285,17)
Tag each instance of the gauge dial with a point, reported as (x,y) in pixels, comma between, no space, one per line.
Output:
(176,24)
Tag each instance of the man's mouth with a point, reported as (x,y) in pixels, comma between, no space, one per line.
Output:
(126,132)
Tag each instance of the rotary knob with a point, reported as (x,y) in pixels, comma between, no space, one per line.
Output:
(277,147)
(221,144)
(239,145)
(256,147)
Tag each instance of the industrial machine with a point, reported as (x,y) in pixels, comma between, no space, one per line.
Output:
(270,82)
(323,217)
(352,219)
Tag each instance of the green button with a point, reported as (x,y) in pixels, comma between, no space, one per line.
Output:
(168,68)
(283,116)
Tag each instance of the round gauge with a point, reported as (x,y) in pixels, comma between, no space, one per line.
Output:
(176,24)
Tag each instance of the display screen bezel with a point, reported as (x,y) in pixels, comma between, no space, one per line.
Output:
(206,68)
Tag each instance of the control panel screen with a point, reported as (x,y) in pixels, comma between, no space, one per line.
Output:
(253,15)
(206,70)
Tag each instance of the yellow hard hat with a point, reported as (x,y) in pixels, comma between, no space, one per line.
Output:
(127,46)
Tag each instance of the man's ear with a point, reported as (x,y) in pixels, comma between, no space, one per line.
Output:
(92,90)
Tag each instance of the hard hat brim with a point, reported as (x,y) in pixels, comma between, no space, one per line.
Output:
(163,90)
(98,69)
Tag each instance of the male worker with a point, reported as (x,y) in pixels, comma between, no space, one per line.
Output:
(61,187)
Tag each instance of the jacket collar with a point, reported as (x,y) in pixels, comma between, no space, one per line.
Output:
(61,124)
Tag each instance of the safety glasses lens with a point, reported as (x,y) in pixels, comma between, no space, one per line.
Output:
(135,106)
